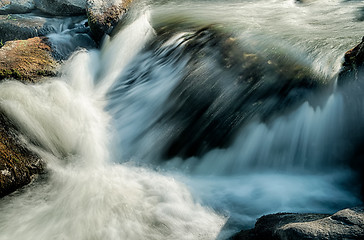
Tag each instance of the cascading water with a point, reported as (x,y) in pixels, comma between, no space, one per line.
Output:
(110,125)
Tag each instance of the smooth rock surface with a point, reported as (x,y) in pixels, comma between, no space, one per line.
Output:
(62,7)
(16,6)
(215,99)
(23,26)
(345,224)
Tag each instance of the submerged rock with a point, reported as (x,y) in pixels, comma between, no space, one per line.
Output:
(353,65)
(62,7)
(27,60)
(23,26)
(345,224)
(225,86)
(16,6)
(18,165)
(104,15)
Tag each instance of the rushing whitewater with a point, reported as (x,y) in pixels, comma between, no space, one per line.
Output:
(102,126)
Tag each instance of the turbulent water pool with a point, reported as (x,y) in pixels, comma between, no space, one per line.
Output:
(160,134)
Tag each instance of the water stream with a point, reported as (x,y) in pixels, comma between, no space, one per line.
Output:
(109,125)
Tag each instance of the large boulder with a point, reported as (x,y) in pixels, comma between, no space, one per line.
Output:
(225,86)
(104,15)
(345,224)
(16,6)
(62,7)
(18,165)
(353,66)
(27,60)
(23,26)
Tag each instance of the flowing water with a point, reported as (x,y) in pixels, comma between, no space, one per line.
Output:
(104,124)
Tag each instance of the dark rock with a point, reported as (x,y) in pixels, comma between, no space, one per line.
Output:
(27,60)
(16,6)
(18,165)
(76,36)
(23,26)
(62,7)
(353,65)
(266,226)
(104,15)
(224,87)
(360,14)
(345,224)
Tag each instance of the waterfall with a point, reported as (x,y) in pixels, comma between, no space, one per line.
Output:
(190,122)
(85,195)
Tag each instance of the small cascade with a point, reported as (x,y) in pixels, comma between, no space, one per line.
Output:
(192,120)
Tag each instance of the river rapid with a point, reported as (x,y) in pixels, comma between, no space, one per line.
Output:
(109,125)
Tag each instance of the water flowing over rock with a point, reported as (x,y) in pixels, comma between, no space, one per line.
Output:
(62,7)
(16,6)
(215,98)
(353,65)
(23,26)
(345,224)
(18,165)
(104,15)
(27,60)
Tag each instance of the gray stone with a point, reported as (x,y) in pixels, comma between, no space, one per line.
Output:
(345,224)
(23,26)
(16,6)
(62,7)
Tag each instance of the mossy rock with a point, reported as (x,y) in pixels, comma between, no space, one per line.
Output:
(27,60)
(18,165)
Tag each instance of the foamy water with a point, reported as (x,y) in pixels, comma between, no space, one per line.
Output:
(95,126)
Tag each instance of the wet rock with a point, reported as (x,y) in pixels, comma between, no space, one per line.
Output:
(345,224)
(62,7)
(104,15)
(23,26)
(16,6)
(353,65)
(27,60)
(76,36)
(224,87)
(360,14)
(18,165)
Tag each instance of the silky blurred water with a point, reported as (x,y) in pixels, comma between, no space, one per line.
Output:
(95,125)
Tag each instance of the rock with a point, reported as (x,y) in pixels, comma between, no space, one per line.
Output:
(360,14)
(104,15)
(266,226)
(27,60)
(18,165)
(16,6)
(77,36)
(62,7)
(345,224)
(224,87)
(23,26)
(353,66)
